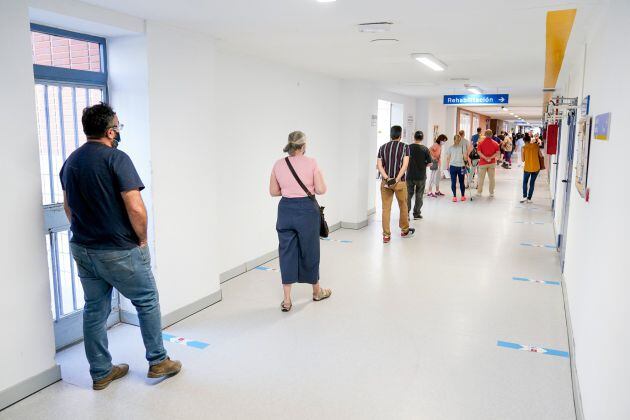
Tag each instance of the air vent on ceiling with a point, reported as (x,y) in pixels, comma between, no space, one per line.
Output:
(375,27)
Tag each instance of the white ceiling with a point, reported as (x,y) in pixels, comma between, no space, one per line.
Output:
(529,113)
(498,45)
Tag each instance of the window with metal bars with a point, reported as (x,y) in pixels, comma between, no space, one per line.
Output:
(70,74)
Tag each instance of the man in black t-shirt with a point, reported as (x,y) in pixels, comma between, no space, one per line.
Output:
(419,158)
(108,221)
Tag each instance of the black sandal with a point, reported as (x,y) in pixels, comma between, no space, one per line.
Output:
(286,308)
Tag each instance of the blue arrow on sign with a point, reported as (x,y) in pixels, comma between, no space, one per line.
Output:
(498,99)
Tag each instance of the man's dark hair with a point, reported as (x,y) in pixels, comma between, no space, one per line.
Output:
(97,119)
(478,130)
(418,136)
(441,138)
(396,132)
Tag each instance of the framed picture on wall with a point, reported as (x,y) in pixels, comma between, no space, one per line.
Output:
(583,150)
(436,131)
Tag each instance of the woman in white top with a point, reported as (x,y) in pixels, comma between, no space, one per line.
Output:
(457,159)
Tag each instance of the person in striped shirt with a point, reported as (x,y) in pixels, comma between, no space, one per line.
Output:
(392,162)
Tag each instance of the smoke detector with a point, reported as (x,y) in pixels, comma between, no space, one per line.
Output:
(375,27)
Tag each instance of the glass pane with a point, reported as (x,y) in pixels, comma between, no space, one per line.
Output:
(465,123)
(96,96)
(65,272)
(68,53)
(56,144)
(67,105)
(40,106)
(81,103)
(50,276)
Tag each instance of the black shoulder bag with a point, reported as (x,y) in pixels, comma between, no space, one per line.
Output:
(323,226)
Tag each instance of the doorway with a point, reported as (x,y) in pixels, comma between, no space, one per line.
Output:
(389,114)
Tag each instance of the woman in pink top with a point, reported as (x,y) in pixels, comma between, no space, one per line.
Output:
(298,219)
(436,159)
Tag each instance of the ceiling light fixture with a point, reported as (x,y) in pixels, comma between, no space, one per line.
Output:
(384,40)
(375,27)
(505,109)
(430,61)
(474,89)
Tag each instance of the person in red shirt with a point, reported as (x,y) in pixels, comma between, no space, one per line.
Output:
(489,151)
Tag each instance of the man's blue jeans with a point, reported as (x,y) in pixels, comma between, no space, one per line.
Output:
(129,271)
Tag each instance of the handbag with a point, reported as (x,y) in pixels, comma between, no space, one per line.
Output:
(541,160)
(323,226)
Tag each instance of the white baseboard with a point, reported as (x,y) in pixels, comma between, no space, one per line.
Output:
(256,262)
(234,272)
(334,227)
(577,395)
(128,317)
(354,226)
(29,386)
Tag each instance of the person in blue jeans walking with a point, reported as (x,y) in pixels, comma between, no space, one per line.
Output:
(108,221)
(457,159)
(531,155)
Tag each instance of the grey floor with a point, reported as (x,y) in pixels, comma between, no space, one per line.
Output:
(410,332)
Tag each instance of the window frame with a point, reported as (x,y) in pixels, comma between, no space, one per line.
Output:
(74,76)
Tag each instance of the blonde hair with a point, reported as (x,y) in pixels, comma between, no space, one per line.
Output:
(488,133)
(297,140)
(461,133)
(457,139)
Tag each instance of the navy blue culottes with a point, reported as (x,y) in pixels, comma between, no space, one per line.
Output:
(298,234)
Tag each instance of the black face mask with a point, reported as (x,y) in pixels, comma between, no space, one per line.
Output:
(116,140)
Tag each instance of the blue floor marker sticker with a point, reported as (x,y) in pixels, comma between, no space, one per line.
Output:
(548,246)
(265,268)
(184,341)
(336,240)
(533,349)
(551,283)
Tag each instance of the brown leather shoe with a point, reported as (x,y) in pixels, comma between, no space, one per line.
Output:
(167,367)
(118,371)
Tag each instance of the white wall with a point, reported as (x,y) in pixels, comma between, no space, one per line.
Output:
(184,156)
(129,95)
(25,314)
(596,273)
(430,112)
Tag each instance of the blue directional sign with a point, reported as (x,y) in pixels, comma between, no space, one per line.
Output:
(499,99)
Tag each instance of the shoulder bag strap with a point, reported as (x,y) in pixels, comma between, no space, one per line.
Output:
(299,181)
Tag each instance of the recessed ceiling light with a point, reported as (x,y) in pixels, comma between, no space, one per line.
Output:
(430,61)
(384,40)
(375,27)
